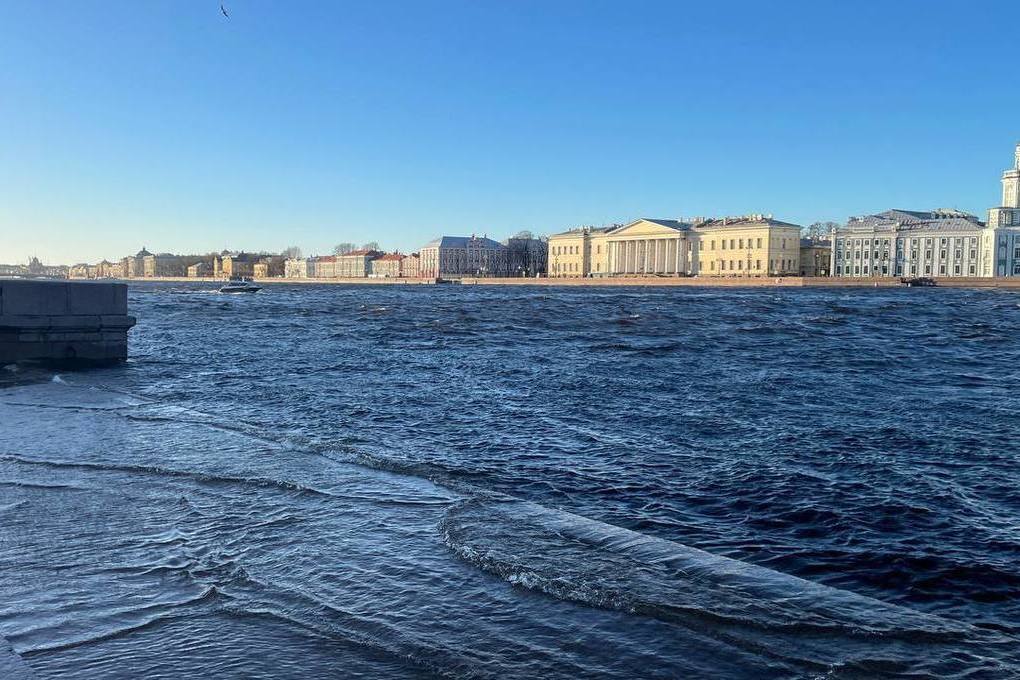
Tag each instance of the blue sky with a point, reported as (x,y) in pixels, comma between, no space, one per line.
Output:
(167,125)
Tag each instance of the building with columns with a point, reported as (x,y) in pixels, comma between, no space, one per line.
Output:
(1002,239)
(910,243)
(753,245)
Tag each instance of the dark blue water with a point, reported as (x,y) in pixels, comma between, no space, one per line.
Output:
(483,482)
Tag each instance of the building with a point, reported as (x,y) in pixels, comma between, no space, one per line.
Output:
(814,257)
(910,243)
(1002,239)
(526,256)
(264,268)
(386,266)
(410,266)
(199,270)
(754,245)
(356,264)
(162,265)
(323,267)
(577,252)
(298,268)
(453,256)
(235,265)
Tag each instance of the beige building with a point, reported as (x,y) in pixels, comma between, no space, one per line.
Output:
(323,267)
(356,264)
(578,253)
(298,268)
(410,266)
(199,270)
(755,245)
(386,266)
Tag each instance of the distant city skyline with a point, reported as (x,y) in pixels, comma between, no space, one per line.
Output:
(170,126)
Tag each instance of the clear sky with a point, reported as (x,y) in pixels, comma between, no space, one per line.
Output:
(168,125)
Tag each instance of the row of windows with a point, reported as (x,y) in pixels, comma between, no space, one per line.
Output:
(914,241)
(738,265)
(737,244)
(943,254)
(884,269)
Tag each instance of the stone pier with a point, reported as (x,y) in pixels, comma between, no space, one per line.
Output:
(66,321)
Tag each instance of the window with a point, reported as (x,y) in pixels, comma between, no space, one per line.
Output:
(722,264)
(757,264)
(740,265)
(731,246)
(731,265)
(972,269)
(784,244)
(713,244)
(724,244)
(942,269)
(741,244)
(956,269)
(759,243)
(711,265)
(942,254)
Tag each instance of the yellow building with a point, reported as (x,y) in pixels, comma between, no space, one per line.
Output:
(578,253)
(756,245)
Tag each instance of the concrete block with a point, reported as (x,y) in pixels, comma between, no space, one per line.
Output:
(89,297)
(34,297)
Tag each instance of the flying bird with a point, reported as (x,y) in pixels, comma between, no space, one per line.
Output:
(224,10)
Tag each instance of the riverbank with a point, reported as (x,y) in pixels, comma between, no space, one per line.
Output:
(735,282)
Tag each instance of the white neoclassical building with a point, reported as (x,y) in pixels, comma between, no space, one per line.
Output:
(909,243)
(1003,236)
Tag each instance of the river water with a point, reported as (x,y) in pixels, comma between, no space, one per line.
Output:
(490,482)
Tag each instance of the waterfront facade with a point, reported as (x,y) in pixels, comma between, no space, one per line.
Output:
(410,266)
(1002,240)
(815,257)
(910,243)
(452,256)
(298,268)
(753,245)
(356,264)
(386,266)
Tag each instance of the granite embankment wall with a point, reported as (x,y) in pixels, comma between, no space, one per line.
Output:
(74,321)
(736,282)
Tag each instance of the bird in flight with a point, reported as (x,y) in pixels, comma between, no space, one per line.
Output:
(224,10)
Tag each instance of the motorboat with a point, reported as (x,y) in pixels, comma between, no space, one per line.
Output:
(240,286)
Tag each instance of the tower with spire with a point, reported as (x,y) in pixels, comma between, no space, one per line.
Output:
(1002,243)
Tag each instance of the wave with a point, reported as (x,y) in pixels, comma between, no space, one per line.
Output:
(143,617)
(11,665)
(780,616)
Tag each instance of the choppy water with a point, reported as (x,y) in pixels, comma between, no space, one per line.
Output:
(466,482)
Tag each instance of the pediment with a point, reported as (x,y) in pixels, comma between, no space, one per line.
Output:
(643,228)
